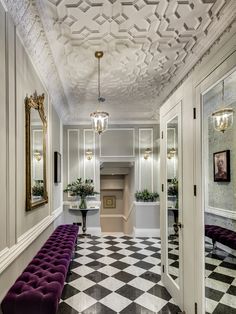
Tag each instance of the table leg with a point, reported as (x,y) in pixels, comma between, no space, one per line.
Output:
(84,216)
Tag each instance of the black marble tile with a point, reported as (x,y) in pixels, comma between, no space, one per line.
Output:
(146,242)
(144,265)
(97,292)
(156,255)
(223,309)
(95,255)
(72,276)
(120,265)
(116,256)
(128,242)
(170,308)
(64,308)
(130,292)
(160,291)
(68,291)
(173,256)
(74,264)
(95,265)
(210,267)
(111,242)
(175,264)
(113,248)
(98,308)
(232,290)
(133,248)
(221,277)
(110,237)
(135,308)
(96,276)
(94,248)
(138,256)
(148,275)
(228,265)
(126,237)
(213,294)
(153,249)
(123,276)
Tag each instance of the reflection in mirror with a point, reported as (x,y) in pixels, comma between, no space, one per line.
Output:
(36,125)
(219,156)
(173,197)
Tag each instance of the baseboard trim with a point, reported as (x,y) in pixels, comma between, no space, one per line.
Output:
(154,232)
(8,255)
(93,231)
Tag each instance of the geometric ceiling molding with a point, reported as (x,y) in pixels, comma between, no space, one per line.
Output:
(149,47)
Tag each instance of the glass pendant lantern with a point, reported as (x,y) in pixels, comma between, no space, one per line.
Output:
(99,118)
(222,118)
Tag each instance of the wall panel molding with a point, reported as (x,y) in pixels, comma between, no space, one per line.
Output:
(7,256)
(89,165)
(73,169)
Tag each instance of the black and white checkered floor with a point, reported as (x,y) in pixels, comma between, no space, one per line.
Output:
(116,275)
(220,281)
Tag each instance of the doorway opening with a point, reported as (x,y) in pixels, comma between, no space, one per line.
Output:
(117,185)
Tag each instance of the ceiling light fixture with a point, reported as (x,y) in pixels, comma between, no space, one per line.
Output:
(99,118)
(223,118)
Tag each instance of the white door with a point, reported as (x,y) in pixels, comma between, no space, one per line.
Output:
(171,203)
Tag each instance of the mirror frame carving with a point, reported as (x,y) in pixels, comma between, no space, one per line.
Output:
(34,102)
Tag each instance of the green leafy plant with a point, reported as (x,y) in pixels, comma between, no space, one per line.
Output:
(38,189)
(146,196)
(81,188)
(173,190)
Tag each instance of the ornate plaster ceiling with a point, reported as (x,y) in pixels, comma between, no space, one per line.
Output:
(149,46)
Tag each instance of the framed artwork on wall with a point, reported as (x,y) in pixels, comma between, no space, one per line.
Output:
(57,167)
(109,201)
(221,164)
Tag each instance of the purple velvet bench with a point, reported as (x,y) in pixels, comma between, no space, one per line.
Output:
(221,235)
(39,287)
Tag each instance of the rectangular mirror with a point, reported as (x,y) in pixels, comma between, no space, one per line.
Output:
(36,129)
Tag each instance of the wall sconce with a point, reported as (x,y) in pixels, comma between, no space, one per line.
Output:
(89,154)
(171,153)
(147,153)
(37,155)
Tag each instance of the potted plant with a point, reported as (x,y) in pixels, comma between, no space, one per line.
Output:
(173,190)
(82,189)
(146,196)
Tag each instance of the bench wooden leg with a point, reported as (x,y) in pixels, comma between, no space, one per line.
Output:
(214,244)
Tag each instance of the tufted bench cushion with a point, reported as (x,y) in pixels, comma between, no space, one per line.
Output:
(39,287)
(221,235)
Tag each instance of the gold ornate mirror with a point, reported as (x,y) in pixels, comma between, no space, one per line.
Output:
(36,129)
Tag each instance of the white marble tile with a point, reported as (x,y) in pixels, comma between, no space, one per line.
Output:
(146,252)
(105,252)
(216,284)
(80,301)
(140,282)
(151,302)
(152,260)
(109,270)
(134,270)
(212,261)
(84,252)
(156,269)
(129,260)
(82,283)
(111,283)
(83,270)
(230,300)
(226,271)
(125,252)
(115,301)
(106,260)
(83,260)
(210,305)
(122,245)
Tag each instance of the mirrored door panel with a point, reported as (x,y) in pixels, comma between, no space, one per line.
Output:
(172,198)
(219,186)
(171,203)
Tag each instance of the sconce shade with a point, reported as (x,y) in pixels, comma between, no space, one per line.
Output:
(89,154)
(223,119)
(147,153)
(37,155)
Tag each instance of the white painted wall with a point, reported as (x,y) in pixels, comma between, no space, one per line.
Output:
(21,233)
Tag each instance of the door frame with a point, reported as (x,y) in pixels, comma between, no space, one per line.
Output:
(220,73)
(177,292)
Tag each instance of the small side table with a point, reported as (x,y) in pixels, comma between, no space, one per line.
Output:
(84,212)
